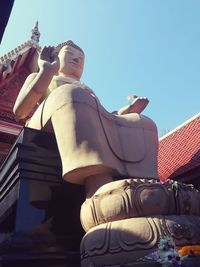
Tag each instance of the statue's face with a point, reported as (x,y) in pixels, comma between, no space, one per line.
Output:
(71,62)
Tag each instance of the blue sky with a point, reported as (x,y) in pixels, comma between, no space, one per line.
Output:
(145,47)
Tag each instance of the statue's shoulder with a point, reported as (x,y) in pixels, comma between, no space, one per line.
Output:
(76,87)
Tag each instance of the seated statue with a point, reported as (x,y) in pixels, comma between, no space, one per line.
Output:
(127,211)
(96,147)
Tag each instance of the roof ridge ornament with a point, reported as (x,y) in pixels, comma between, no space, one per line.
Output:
(35,37)
(5,60)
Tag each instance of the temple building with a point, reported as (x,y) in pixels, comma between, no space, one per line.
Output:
(15,66)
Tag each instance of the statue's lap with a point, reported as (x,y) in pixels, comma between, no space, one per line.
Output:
(127,144)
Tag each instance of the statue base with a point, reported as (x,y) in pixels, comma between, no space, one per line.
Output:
(125,220)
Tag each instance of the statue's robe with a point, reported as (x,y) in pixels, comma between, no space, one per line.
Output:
(95,141)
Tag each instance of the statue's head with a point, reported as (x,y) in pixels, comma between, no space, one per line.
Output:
(71,59)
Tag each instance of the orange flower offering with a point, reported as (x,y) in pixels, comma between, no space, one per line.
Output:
(189,250)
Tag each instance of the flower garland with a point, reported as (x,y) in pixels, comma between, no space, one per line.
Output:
(193,250)
(167,254)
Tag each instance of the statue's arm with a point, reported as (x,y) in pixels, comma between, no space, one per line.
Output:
(33,90)
(36,85)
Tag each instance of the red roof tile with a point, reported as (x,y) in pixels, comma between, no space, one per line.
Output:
(179,150)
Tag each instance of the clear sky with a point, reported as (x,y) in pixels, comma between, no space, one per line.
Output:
(144,47)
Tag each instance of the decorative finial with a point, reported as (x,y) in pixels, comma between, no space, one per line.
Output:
(35,33)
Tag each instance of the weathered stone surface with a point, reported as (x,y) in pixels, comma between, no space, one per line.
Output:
(127,240)
(138,197)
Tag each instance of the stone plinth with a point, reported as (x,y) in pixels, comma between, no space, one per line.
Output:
(39,212)
(131,198)
(125,220)
(125,241)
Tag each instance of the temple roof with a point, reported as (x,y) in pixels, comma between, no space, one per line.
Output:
(15,59)
(15,66)
(179,152)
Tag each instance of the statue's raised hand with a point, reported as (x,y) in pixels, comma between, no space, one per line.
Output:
(48,59)
(137,105)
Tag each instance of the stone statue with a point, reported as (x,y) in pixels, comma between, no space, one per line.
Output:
(95,146)
(114,155)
